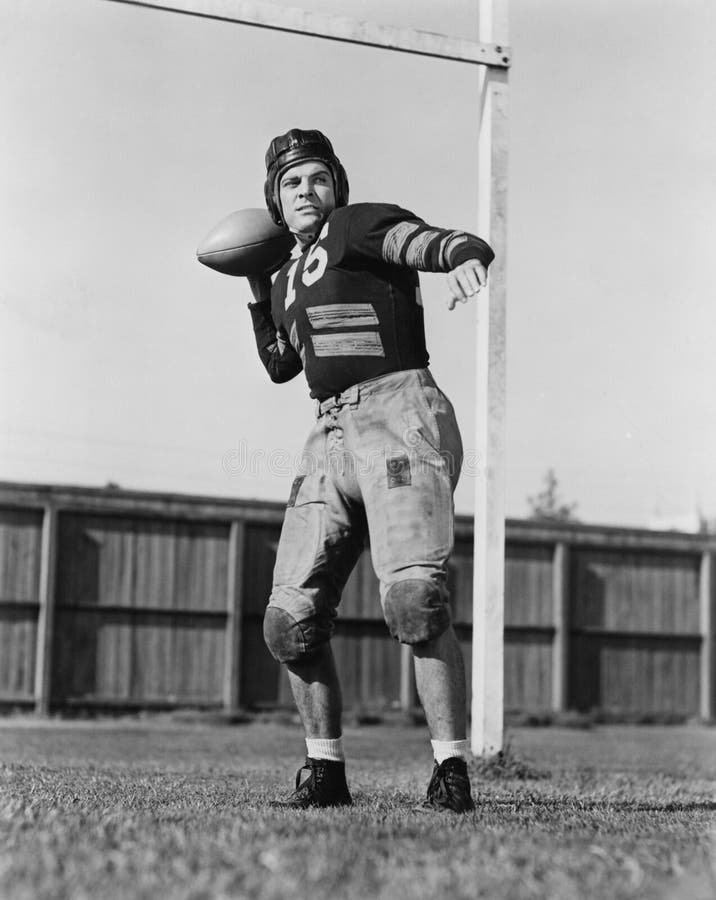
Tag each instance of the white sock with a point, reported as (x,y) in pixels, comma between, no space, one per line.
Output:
(325,748)
(443,750)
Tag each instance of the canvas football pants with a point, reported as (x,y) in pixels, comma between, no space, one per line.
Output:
(380,465)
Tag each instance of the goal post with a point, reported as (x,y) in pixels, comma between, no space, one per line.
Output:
(490,384)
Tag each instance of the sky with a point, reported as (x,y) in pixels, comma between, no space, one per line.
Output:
(129,132)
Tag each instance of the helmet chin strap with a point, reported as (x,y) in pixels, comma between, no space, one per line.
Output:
(304,238)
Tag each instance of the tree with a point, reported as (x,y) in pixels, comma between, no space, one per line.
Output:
(548,506)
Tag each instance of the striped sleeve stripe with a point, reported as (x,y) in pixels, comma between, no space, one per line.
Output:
(418,248)
(442,254)
(342,315)
(395,240)
(454,241)
(351,343)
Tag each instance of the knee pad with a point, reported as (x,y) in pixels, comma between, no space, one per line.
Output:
(290,640)
(416,610)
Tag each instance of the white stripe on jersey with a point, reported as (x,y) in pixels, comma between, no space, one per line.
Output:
(342,315)
(348,343)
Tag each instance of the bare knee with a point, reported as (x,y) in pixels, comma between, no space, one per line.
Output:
(441,647)
(416,610)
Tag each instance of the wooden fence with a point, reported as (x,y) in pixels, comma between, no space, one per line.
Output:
(138,600)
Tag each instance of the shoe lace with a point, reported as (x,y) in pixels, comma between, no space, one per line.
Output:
(453,778)
(446,779)
(313,778)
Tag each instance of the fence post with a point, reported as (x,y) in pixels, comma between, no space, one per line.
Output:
(706,627)
(560,619)
(46,616)
(234,607)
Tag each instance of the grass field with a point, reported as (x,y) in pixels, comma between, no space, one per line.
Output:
(160,809)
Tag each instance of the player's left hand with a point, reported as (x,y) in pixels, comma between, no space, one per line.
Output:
(465,281)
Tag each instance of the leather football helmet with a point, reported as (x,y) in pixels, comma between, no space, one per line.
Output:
(294,147)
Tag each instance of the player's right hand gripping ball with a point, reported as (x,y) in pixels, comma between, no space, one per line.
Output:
(246,242)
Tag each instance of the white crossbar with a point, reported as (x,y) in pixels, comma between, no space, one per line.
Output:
(337,28)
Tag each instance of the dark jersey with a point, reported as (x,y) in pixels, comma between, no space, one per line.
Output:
(348,308)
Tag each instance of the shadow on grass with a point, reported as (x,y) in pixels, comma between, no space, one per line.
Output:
(607,805)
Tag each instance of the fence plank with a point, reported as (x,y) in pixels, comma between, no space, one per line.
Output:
(20,552)
(707,705)
(234,595)
(560,611)
(46,619)
(635,591)
(529,584)
(260,675)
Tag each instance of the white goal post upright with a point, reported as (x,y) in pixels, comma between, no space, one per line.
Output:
(489,532)
(491,54)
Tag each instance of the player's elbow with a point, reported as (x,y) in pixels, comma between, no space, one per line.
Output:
(280,376)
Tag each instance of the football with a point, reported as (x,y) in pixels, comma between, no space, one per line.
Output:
(246,242)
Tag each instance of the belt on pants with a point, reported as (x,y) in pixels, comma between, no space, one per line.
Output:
(349,397)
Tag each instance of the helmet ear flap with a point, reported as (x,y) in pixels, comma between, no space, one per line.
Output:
(341,183)
(272,205)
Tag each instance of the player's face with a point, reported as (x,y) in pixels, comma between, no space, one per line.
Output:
(307,196)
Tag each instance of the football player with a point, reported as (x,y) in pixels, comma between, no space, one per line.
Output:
(381,462)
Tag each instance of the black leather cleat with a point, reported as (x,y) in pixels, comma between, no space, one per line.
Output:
(319,783)
(449,787)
